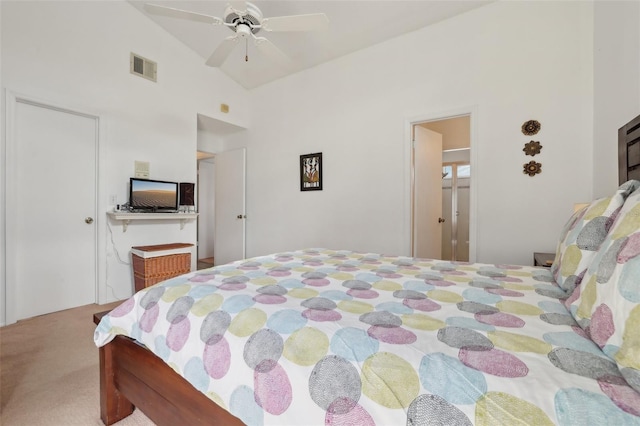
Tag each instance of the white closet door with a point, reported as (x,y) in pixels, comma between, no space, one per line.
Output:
(51,211)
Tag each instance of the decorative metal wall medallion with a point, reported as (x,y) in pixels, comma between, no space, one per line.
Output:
(532,148)
(531,127)
(532,168)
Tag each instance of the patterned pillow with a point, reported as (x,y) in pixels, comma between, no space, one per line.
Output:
(583,234)
(608,305)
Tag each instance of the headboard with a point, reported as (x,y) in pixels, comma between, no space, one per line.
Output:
(629,151)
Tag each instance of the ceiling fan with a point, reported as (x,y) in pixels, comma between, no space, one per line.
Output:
(246,20)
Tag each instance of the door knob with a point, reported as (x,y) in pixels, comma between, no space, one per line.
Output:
(88,220)
(440,220)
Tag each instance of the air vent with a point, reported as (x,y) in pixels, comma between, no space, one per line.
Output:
(143,67)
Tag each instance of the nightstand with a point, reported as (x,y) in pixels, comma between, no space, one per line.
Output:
(543,259)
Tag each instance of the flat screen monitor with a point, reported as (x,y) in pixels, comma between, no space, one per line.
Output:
(153,195)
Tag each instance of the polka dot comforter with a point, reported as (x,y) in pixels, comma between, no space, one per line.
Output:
(334,337)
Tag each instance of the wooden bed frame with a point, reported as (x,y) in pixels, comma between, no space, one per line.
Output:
(131,375)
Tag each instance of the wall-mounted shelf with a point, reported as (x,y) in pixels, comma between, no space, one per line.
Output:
(126,218)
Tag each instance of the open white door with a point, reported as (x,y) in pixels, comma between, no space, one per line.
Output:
(427,213)
(230,175)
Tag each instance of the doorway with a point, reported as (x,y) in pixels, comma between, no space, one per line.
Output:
(206,208)
(221,191)
(456,177)
(454,221)
(222,211)
(51,226)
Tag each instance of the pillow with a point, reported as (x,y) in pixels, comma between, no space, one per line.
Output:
(608,307)
(583,234)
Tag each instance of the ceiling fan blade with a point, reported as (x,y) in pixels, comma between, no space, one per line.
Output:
(270,51)
(310,22)
(222,52)
(182,14)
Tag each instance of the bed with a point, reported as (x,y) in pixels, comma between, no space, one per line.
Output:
(336,337)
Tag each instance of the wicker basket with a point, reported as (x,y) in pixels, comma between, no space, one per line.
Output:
(152,264)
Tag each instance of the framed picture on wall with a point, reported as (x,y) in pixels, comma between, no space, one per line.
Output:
(311,172)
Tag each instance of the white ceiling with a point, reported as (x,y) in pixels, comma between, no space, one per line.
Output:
(353,25)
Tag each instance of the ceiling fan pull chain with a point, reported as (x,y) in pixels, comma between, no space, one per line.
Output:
(246,50)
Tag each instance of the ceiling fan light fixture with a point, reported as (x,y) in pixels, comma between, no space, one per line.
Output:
(243,30)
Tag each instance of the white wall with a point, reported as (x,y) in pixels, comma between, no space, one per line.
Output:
(76,54)
(616,84)
(511,61)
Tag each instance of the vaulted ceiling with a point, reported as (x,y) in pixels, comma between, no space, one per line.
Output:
(353,25)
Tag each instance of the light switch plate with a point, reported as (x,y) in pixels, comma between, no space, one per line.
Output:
(141,169)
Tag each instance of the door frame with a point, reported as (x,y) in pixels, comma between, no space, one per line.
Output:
(409,173)
(12,98)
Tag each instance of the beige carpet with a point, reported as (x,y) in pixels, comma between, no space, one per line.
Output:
(49,371)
